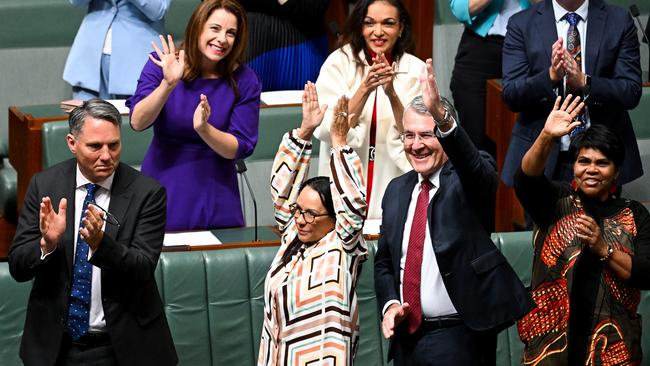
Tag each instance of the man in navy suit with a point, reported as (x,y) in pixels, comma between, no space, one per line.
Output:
(443,287)
(537,67)
(94,298)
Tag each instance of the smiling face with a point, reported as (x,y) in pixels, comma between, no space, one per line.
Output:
(594,173)
(381,27)
(309,200)
(217,37)
(97,148)
(423,151)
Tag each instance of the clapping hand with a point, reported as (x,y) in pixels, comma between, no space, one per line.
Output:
(312,112)
(394,315)
(340,123)
(51,224)
(93,222)
(381,73)
(172,66)
(201,114)
(388,74)
(556,70)
(562,120)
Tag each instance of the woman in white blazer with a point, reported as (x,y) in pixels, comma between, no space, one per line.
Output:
(112,45)
(376,71)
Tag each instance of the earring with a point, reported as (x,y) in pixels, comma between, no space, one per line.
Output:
(574,185)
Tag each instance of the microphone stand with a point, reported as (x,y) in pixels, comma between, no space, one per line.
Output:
(634,11)
(241,169)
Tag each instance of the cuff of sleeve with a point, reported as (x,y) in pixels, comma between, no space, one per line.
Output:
(45,255)
(387,305)
(294,135)
(339,148)
(445,134)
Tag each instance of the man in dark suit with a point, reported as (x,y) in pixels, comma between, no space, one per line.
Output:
(94,298)
(443,287)
(543,57)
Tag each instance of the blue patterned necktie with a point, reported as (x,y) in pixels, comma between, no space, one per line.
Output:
(82,273)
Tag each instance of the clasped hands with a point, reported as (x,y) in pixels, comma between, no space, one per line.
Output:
(563,64)
(52,225)
(381,73)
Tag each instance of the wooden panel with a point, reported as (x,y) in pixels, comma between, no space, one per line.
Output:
(499,121)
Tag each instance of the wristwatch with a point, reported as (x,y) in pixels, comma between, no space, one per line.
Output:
(445,119)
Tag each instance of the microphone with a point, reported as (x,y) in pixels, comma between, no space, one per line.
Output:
(241,169)
(634,11)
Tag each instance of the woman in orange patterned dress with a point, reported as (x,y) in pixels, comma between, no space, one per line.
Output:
(592,250)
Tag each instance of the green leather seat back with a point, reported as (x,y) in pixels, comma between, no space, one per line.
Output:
(55,147)
(13,306)
(8,183)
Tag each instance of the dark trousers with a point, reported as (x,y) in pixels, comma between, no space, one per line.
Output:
(478,60)
(87,354)
(453,346)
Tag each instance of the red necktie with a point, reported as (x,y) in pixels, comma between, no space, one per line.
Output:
(413,267)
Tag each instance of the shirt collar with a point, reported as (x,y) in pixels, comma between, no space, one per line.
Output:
(82,181)
(560,12)
(433,178)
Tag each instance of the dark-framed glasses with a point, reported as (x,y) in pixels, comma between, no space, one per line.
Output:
(108,217)
(308,215)
(409,136)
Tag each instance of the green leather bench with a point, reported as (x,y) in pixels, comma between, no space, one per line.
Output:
(214,303)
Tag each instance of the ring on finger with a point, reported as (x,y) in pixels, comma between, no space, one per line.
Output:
(341,114)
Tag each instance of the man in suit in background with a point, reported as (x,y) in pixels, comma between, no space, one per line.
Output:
(443,287)
(579,47)
(94,298)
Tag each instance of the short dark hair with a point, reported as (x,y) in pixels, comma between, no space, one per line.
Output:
(322,186)
(600,138)
(353,32)
(95,108)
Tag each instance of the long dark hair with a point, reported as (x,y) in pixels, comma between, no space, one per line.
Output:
(322,186)
(226,67)
(353,32)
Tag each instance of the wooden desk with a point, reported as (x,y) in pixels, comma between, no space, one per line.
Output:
(499,121)
(25,148)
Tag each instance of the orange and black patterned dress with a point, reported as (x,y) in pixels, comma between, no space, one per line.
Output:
(585,314)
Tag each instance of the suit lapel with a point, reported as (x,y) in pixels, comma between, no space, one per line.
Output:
(545,26)
(597,19)
(120,199)
(69,179)
(403,205)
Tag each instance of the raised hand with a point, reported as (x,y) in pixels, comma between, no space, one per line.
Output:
(51,224)
(430,92)
(201,114)
(562,120)
(340,123)
(312,112)
(93,222)
(173,66)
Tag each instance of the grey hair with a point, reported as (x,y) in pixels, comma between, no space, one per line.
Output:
(418,106)
(95,108)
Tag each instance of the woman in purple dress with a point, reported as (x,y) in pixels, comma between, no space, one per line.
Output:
(203,103)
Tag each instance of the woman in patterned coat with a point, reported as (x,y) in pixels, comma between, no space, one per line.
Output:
(310,303)
(592,251)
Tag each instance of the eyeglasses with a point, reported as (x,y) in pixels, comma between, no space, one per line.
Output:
(308,215)
(108,217)
(409,136)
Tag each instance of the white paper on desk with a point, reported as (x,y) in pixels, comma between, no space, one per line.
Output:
(120,104)
(371,227)
(191,238)
(282,97)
